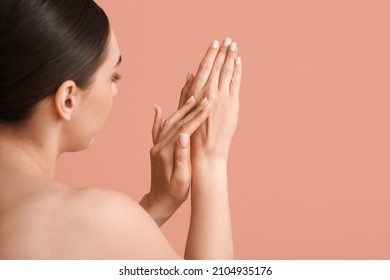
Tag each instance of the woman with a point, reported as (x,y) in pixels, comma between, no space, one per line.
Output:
(58,77)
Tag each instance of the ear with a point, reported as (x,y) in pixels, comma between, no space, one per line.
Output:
(65,99)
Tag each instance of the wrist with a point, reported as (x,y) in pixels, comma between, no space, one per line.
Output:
(205,152)
(202,163)
(209,175)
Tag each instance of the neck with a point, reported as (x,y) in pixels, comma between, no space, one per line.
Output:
(28,151)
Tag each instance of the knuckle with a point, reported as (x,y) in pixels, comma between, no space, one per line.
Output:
(205,66)
(209,93)
(186,128)
(179,181)
(179,196)
(167,122)
(153,152)
(218,67)
(178,124)
(235,82)
(227,71)
(163,155)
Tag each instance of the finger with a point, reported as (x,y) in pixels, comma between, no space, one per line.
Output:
(156,123)
(177,116)
(202,106)
(213,79)
(190,123)
(181,175)
(236,80)
(228,67)
(184,91)
(206,65)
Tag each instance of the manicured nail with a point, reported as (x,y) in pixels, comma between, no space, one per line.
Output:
(238,61)
(189,75)
(192,98)
(184,138)
(215,44)
(206,107)
(227,42)
(233,47)
(155,107)
(204,100)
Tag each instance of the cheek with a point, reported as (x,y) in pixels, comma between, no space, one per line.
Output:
(106,101)
(106,92)
(101,103)
(91,116)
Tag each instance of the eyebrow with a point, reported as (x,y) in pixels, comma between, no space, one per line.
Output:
(119,61)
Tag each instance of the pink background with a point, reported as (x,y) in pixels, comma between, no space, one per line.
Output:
(309,166)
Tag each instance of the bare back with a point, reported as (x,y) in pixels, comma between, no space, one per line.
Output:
(31,220)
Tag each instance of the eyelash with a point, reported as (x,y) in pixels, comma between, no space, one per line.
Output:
(117,77)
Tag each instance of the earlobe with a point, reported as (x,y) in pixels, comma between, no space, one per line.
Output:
(65,99)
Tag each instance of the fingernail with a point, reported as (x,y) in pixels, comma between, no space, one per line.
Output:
(192,98)
(188,76)
(204,100)
(184,138)
(227,42)
(233,47)
(238,60)
(206,107)
(215,44)
(155,107)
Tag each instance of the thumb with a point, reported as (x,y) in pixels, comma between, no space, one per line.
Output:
(181,172)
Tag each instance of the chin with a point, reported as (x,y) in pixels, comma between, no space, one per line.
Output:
(77,147)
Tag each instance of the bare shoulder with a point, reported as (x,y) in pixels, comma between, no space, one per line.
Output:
(111,225)
(59,222)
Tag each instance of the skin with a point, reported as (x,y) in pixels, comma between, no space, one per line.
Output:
(42,219)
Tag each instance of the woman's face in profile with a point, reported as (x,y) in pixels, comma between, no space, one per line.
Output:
(97,99)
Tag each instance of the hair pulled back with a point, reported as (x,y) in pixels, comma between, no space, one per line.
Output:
(44,43)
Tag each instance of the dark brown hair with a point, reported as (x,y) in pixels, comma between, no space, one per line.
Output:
(44,43)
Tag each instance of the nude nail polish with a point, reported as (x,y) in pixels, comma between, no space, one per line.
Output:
(227,42)
(215,44)
(204,100)
(192,98)
(206,107)
(238,60)
(184,138)
(233,47)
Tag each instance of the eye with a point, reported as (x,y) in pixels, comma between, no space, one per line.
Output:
(117,77)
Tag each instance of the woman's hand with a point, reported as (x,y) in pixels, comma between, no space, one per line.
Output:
(218,78)
(170,157)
